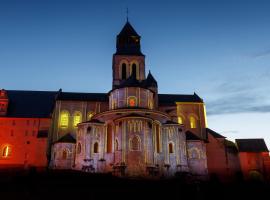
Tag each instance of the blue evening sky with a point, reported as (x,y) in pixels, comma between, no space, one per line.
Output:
(219,49)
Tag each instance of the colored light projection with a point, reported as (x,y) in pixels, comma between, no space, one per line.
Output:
(132,102)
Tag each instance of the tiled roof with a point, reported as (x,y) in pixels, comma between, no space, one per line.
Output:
(251,145)
(32,104)
(170,99)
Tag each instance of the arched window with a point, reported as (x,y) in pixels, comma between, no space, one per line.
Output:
(65,154)
(6,151)
(171,150)
(77,118)
(116,145)
(180,120)
(192,121)
(124,71)
(135,143)
(90,115)
(109,138)
(64,119)
(134,68)
(79,148)
(132,101)
(96,147)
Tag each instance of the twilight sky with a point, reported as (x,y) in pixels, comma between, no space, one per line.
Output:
(219,49)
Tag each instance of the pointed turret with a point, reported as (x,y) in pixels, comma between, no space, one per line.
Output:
(151,83)
(128,41)
(150,80)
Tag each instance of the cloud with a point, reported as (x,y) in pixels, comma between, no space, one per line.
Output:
(238,97)
(260,54)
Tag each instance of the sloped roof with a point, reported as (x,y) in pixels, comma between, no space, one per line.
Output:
(68,138)
(150,80)
(128,30)
(40,104)
(214,134)
(32,104)
(191,136)
(231,146)
(171,122)
(251,145)
(170,99)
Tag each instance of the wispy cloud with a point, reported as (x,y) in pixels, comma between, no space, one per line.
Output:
(238,97)
(263,53)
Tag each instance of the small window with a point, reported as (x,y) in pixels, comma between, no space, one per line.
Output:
(64,118)
(6,151)
(132,101)
(171,150)
(77,118)
(124,71)
(192,121)
(180,120)
(79,148)
(96,147)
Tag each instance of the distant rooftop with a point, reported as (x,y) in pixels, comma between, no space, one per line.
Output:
(251,145)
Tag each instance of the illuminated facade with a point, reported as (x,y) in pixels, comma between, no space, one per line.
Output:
(130,131)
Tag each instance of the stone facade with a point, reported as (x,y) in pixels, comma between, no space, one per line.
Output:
(132,132)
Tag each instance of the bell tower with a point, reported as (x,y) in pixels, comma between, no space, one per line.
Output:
(128,58)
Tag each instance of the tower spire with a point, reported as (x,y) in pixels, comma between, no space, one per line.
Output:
(127,14)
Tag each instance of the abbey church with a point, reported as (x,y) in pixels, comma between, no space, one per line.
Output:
(130,131)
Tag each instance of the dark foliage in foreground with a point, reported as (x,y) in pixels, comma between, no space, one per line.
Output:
(75,185)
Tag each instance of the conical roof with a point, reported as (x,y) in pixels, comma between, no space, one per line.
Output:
(128,30)
(128,41)
(150,80)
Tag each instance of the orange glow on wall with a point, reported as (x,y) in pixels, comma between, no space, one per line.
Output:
(132,101)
